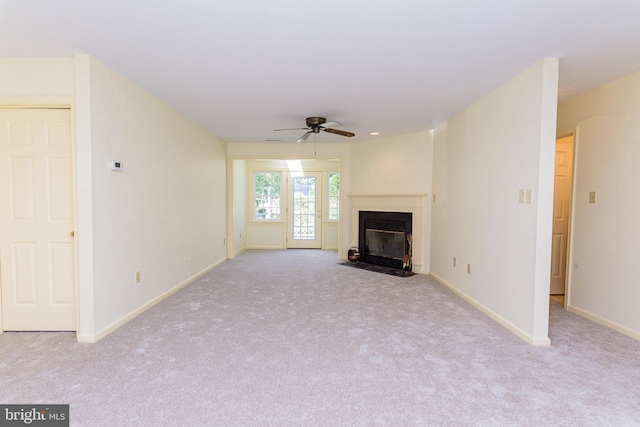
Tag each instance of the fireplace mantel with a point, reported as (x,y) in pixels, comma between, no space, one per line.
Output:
(413,203)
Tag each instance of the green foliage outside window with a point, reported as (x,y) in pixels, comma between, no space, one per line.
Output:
(267,195)
(334,196)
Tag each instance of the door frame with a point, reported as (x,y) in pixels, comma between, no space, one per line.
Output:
(569,259)
(55,102)
(319,204)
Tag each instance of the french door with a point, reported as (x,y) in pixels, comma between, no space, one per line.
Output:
(304,213)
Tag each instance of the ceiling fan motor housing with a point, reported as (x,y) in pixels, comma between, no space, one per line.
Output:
(315,122)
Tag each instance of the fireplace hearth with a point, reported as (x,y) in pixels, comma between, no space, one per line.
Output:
(385,239)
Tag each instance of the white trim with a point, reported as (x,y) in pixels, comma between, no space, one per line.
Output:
(419,268)
(84,196)
(92,338)
(605,322)
(573,132)
(387,196)
(536,341)
(36,102)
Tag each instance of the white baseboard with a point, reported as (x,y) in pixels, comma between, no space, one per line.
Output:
(605,322)
(536,341)
(92,338)
(267,247)
(418,269)
(240,251)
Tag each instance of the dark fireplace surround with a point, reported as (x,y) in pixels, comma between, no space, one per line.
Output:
(384,238)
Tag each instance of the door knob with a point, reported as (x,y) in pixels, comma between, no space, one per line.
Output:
(72,234)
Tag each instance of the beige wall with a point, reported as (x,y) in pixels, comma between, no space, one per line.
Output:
(605,242)
(397,166)
(483,156)
(240,193)
(163,214)
(385,166)
(37,77)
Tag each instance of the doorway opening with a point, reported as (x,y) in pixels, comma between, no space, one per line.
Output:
(563,179)
(280,203)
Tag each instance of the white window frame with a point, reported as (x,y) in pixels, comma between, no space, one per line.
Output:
(329,197)
(254,209)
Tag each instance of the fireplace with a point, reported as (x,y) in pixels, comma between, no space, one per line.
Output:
(417,205)
(385,238)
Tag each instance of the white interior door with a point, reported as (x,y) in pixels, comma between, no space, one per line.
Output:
(37,257)
(561,208)
(304,214)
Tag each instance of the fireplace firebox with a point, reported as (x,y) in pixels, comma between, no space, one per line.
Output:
(385,238)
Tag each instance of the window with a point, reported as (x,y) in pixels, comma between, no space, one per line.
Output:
(334,196)
(267,189)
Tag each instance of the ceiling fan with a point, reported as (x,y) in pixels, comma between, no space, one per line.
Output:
(317,124)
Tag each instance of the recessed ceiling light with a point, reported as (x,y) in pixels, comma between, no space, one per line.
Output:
(374,133)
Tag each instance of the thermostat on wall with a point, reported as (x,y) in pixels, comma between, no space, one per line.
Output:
(115,165)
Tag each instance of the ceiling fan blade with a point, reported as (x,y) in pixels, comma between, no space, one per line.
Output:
(339,132)
(330,124)
(276,130)
(304,137)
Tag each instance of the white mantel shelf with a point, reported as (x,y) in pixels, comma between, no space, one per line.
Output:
(391,201)
(413,203)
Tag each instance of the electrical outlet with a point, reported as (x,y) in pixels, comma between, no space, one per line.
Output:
(454,261)
(137,277)
(468,268)
(529,196)
(521,195)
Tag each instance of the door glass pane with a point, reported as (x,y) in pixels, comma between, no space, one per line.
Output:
(304,208)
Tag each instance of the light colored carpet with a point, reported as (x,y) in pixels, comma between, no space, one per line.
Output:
(292,338)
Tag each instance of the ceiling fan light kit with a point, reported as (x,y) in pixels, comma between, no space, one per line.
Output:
(317,124)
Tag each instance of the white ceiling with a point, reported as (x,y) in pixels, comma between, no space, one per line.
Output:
(242,68)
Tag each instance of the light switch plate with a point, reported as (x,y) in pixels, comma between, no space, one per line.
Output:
(592,197)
